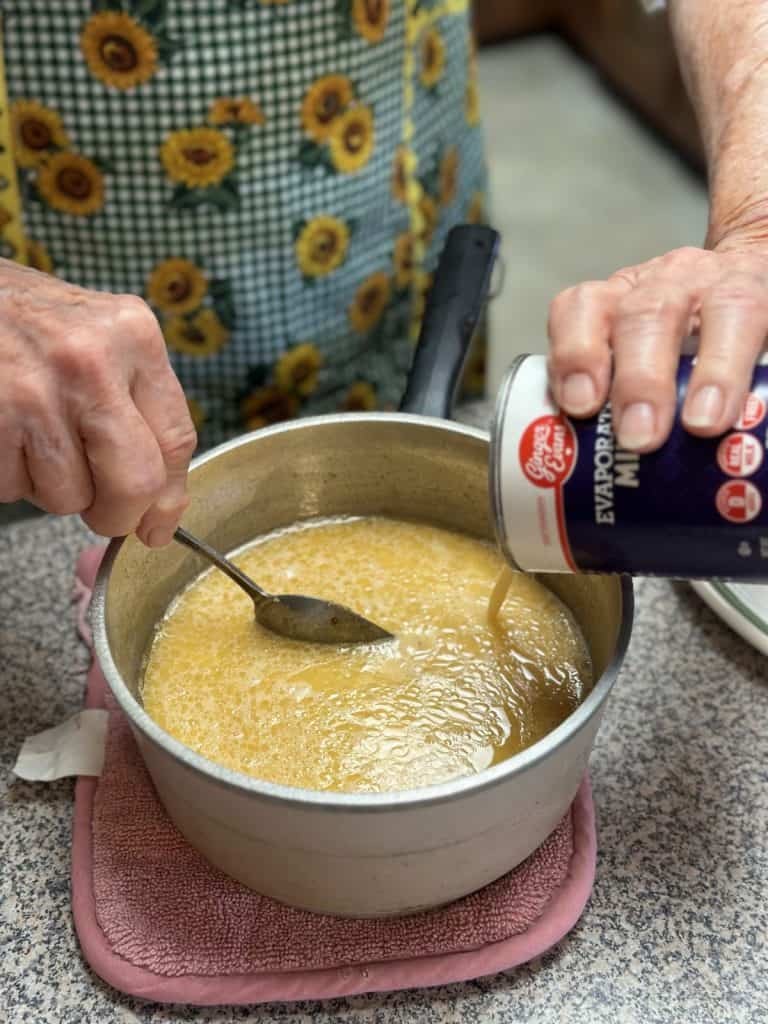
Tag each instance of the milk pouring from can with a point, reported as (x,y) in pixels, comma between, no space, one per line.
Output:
(567,498)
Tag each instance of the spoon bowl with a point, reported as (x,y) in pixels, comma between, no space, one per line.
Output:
(309,620)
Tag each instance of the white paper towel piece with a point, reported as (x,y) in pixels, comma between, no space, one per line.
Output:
(76,747)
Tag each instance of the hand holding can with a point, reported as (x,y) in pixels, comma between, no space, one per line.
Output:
(620,339)
(567,497)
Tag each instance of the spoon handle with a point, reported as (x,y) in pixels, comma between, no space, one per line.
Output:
(257,595)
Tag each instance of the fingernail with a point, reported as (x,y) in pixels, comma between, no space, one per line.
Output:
(159,536)
(637,426)
(705,408)
(578,393)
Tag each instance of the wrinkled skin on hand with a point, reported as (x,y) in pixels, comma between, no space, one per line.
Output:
(621,338)
(92,418)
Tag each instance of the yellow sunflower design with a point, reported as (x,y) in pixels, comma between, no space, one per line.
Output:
(236,110)
(449,175)
(352,140)
(370,301)
(422,287)
(176,289)
(324,102)
(400,175)
(49,171)
(370,18)
(117,50)
(403,260)
(321,245)
(197,157)
(276,393)
(202,334)
(71,184)
(176,286)
(8,248)
(428,214)
(339,129)
(361,397)
(124,48)
(37,132)
(267,405)
(432,58)
(200,161)
(39,258)
(298,369)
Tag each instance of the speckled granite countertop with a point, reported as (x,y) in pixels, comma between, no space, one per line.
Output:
(677,927)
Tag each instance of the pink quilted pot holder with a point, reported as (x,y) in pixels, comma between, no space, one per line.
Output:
(157,921)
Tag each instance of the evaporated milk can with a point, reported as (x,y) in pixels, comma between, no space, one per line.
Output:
(567,498)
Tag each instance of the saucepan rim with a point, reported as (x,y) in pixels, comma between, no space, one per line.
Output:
(347,802)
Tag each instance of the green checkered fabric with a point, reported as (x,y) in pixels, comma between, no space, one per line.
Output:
(241,230)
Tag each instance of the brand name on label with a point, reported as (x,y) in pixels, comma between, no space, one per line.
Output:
(613,468)
(548,451)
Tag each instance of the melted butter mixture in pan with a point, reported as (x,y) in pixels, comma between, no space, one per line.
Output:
(485,661)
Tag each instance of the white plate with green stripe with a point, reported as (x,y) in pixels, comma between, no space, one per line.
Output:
(742,606)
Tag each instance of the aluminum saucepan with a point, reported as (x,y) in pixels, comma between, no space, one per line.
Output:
(355,854)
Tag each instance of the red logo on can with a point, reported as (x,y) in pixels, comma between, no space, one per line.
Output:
(752,413)
(548,451)
(738,501)
(739,454)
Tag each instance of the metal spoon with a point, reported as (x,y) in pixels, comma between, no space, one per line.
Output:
(308,619)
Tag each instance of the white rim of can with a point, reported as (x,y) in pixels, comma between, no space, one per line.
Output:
(494,479)
(528,506)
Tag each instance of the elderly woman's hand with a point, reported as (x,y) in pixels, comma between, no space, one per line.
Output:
(92,417)
(621,338)
(636,319)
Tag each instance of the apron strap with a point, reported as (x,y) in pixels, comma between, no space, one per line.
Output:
(12,241)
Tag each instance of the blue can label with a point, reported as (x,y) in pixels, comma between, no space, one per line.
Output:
(568,498)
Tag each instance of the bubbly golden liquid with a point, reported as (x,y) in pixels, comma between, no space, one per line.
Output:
(455,692)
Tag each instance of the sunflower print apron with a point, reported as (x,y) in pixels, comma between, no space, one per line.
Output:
(275,177)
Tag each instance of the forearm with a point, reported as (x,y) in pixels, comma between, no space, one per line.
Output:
(723,51)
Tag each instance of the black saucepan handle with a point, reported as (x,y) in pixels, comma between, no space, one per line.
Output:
(453,309)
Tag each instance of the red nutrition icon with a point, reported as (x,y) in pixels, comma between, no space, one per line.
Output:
(752,413)
(740,454)
(739,501)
